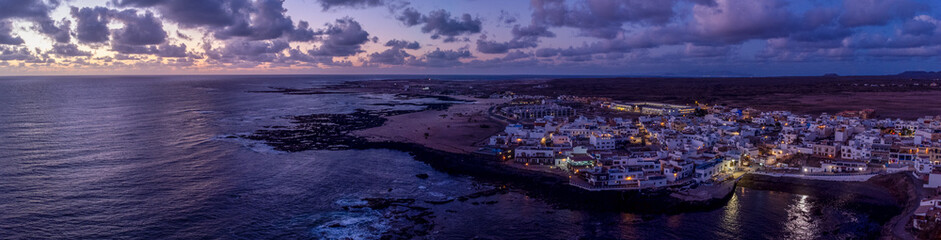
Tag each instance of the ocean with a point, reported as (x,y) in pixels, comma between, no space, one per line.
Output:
(147,157)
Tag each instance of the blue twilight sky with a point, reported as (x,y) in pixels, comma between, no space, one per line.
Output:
(609,37)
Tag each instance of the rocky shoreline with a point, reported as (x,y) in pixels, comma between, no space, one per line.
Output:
(330,132)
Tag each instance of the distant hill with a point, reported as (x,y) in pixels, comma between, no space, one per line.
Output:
(920,74)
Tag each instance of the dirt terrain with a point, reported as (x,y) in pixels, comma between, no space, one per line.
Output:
(890,96)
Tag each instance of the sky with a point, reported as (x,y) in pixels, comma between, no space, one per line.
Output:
(578,37)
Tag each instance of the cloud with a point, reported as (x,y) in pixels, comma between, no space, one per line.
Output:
(395,43)
(395,55)
(410,17)
(58,32)
(878,12)
(92,24)
(506,17)
(68,50)
(922,25)
(36,11)
(733,21)
(523,37)
(248,51)
(172,51)
(6,34)
(392,56)
(266,20)
(253,20)
(328,4)
(698,51)
(601,18)
(138,29)
(440,23)
(16,53)
(441,58)
(188,13)
(514,55)
(343,38)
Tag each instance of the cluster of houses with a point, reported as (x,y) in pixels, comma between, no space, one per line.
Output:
(675,145)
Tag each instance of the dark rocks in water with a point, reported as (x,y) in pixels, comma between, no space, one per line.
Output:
(406,220)
(383,203)
(484,193)
(438,97)
(422,175)
(295,91)
(437,202)
(321,131)
(428,106)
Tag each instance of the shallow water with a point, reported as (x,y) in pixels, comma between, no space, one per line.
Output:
(146,157)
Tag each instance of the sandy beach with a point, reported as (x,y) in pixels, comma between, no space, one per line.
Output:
(459,129)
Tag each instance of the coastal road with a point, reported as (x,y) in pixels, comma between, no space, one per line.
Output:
(900,222)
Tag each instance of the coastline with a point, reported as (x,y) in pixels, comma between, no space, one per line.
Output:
(551,187)
(447,151)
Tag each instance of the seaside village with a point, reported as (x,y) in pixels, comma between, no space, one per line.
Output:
(643,145)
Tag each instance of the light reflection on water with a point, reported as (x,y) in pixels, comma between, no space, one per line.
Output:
(801,224)
(731,221)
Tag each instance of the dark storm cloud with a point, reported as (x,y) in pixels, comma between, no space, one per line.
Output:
(410,17)
(189,13)
(440,23)
(302,33)
(17,53)
(878,12)
(486,46)
(395,55)
(6,34)
(345,37)
(734,21)
(601,18)
(266,21)
(58,32)
(139,29)
(327,4)
(172,51)
(523,37)
(395,43)
(26,9)
(254,20)
(92,24)
(392,56)
(919,27)
(36,11)
(68,50)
